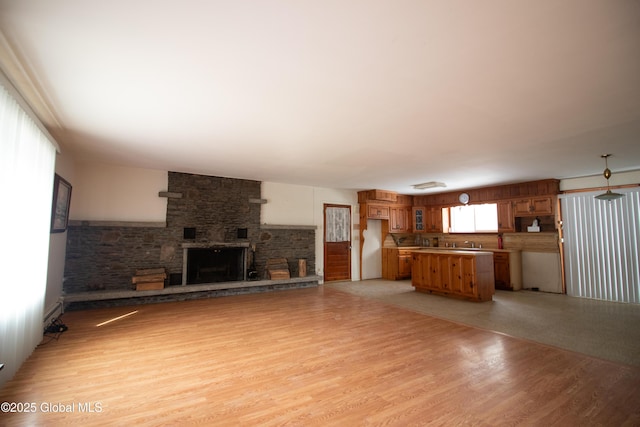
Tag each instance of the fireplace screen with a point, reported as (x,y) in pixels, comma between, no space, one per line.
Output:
(210,265)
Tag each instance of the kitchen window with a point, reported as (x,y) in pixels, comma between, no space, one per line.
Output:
(474,218)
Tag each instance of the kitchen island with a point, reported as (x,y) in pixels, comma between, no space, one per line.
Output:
(455,273)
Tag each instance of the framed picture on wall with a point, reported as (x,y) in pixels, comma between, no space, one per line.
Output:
(61,203)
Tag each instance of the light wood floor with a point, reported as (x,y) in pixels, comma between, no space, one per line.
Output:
(313,356)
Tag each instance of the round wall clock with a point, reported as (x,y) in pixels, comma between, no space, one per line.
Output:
(464,198)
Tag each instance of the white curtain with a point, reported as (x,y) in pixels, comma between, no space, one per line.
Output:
(338,224)
(602,246)
(27,161)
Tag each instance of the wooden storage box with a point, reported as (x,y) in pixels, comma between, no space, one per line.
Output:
(149,285)
(149,279)
(278,268)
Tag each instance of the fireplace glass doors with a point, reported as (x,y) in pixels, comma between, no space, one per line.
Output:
(211,265)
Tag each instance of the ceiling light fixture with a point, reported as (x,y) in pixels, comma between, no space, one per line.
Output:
(608,195)
(430,184)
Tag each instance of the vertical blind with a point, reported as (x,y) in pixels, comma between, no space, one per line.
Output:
(602,246)
(27,160)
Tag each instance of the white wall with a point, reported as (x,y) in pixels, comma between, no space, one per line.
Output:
(104,192)
(542,270)
(58,245)
(372,250)
(288,204)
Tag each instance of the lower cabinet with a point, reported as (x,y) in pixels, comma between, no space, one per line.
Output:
(460,274)
(404,264)
(501,270)
(508,270)
(396,263)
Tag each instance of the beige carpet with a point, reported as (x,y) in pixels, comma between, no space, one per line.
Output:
(601,329)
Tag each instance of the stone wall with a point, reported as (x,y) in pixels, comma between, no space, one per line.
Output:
(290,243)
(105,257)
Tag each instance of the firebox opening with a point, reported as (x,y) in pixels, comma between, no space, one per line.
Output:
(210,265)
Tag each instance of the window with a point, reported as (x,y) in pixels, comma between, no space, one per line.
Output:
(474,218)
(27,160)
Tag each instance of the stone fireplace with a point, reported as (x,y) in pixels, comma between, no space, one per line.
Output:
(214,220)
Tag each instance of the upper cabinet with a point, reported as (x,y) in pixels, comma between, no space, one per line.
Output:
(427,220)
(534,206)
(399,219)
(387,205)
(418,219)
(377,195)
(506,222)
(377,211)
(433,223)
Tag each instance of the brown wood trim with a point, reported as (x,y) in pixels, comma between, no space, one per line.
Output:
(587,190)
(363,228)
(561,244)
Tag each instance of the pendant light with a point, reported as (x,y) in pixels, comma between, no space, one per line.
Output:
(608,195)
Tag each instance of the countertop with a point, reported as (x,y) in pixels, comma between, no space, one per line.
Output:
(458,249)
(454,251)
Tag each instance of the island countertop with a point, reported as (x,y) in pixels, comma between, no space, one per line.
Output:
(444,248)
(454,251)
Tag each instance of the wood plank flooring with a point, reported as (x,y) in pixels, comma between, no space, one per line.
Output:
(313,356)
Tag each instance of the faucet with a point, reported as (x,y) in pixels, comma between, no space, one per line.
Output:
(471,244)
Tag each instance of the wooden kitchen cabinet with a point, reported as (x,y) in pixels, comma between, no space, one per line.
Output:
(399,219)
(473,274)
(396,263)
(380,195)
(421,271)
(501,270)
(427,220)
(456,274)
(508,270)
(404,264)
(438,273)
(377,211)
(506,221)
(534,206)
(417,215)
(461,274)
(433,220)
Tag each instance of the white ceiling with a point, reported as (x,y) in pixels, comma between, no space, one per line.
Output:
(350,94)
